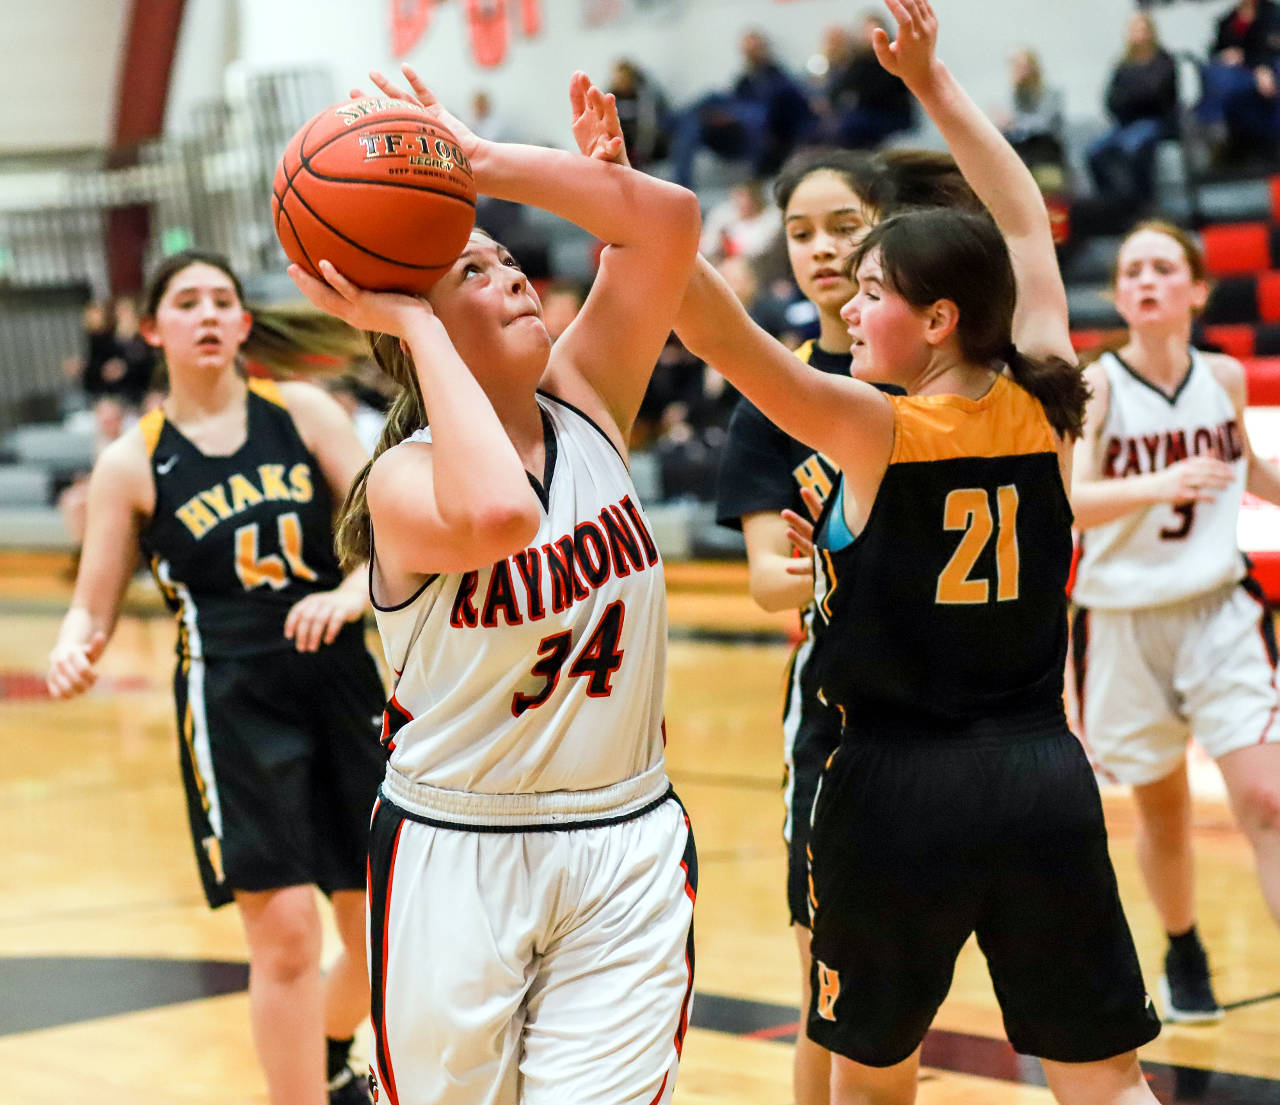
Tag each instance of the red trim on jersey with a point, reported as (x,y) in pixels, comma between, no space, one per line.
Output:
(658,1096)
(1253,589)
(683,1026)
(386,1073)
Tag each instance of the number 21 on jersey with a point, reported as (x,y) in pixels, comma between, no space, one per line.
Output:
(970,510)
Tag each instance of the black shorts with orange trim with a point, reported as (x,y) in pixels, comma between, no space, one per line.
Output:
(919,841)
(817,739)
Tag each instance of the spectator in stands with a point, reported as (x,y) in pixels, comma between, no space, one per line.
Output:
(366,407)
(1142,99)
(1032,119)
(862,103)
(486,121)
(642,112)
(745,224)
(1239,83)
(117,362)
(760,119)
(109,422)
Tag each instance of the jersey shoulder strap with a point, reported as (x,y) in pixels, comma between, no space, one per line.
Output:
(268,390)
(150,426)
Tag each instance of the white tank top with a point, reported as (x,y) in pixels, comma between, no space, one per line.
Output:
(1163,553)
(544,672)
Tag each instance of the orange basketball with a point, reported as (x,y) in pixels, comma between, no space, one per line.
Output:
(379,188)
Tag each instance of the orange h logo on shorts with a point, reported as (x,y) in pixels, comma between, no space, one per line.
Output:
(828,991)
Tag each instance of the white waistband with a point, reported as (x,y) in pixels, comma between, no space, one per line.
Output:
(467,807)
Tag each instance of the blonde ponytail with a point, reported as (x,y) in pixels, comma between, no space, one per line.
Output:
(352,538)
(299,340)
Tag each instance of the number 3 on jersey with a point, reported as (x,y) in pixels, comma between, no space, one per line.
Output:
(597,662)
(969,509)
(254,570)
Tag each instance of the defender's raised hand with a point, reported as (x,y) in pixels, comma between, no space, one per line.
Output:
(910,56)
(595,123)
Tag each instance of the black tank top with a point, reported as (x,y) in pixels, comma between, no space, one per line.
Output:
(236,540)
(947,614)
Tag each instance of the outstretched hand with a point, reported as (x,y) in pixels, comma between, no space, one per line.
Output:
(910,56)
(384,312)
(595,123)
(468,140)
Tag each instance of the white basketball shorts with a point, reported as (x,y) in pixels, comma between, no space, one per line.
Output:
(1149,679)
(539,966)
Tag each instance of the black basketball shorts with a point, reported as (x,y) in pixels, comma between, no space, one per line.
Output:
(919,842)
(281,763)
(816,739)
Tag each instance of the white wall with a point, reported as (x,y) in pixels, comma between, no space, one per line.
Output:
(60,62)
(61,56)
(694,45)
(207,44)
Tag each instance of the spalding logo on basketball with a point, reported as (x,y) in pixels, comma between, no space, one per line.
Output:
(379,188)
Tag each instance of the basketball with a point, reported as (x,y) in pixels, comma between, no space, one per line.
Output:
(379,188)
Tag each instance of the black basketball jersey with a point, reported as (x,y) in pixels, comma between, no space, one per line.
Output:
(236,540)
(948,612)
(763,467)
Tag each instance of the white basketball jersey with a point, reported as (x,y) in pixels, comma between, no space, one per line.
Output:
(1164,553)
(544,672)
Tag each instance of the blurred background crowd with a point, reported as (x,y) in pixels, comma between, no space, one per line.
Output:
(1193,136)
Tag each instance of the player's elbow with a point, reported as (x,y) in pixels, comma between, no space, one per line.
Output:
(674,219)
(496,529)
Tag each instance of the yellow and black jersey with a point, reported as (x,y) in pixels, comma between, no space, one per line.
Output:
(236,540)
(948,612)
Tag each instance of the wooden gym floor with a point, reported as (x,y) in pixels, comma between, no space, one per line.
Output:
(118,985)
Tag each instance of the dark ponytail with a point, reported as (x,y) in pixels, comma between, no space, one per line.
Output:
(1059,386)
(938,253)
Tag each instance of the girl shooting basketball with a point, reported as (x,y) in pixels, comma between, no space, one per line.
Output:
(531,873)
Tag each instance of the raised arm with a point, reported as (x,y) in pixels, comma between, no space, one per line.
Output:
(994,171)
(462,501)
(848,420)
(650,229)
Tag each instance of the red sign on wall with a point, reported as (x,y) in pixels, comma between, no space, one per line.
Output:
(531,17)
(409,22)
(490,31)
(488,26)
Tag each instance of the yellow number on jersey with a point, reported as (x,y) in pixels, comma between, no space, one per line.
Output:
(969,509)
(254,570)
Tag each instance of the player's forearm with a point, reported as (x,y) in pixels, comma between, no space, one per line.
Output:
(616,204)
(774,588)
(356,583)
(994,171)
(475,466)
(79,625)
(1097,502)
